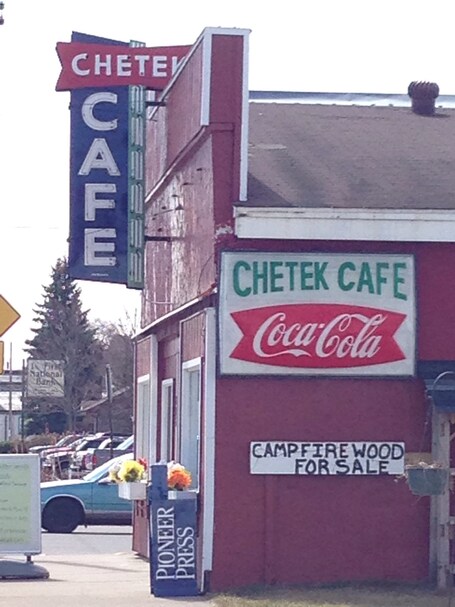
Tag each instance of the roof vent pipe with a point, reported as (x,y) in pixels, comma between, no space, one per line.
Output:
(423,95)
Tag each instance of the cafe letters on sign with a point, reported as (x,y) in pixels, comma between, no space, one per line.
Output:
(107,80)
(317,314)
(327,458)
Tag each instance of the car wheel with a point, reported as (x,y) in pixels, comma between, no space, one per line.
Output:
(62,516)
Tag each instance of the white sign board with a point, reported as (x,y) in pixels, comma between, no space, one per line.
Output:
(317,314)
(20,510)
(45,378)
(314,458)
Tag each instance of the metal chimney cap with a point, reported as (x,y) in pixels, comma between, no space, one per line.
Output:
(423,95)
(423,90)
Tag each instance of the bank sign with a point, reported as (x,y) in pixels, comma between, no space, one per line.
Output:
(317,314)
(107,80)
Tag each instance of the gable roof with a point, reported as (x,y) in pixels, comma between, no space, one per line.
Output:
(315,155)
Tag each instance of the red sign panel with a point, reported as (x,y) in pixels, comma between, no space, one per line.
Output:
(318,336)
(102,65)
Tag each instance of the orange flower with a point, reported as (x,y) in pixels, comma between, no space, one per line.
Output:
(178,477)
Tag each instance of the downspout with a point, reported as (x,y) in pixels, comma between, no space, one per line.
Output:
(208,432)
(153,425)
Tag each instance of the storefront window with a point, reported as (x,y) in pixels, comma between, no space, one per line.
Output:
(191,418)
(167,435)
(144,447)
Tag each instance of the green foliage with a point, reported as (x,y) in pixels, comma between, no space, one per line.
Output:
(34,424)
(63,332)
(41,423)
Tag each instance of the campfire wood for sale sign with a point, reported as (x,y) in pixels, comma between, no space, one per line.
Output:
(317,314)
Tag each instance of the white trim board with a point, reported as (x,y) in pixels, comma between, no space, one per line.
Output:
(410,225)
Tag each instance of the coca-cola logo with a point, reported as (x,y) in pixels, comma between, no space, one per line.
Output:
(318,336)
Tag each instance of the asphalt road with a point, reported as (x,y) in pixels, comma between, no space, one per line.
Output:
(95,539)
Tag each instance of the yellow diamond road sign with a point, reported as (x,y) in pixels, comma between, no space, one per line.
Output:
(8,315)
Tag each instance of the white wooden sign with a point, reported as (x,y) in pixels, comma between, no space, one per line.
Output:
(45,378)
(317,314)
(325,458)
(20,509)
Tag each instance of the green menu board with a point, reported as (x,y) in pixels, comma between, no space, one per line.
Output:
(20,516)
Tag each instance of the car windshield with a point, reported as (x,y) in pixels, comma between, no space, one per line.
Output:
(101,471)
(66,440)
(127,443)
(89,443)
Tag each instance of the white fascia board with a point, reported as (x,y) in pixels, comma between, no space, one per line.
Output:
(410,225)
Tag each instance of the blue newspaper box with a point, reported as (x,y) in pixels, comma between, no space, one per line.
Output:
(172,538)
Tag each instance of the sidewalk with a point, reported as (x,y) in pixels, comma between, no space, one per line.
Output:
(107,580)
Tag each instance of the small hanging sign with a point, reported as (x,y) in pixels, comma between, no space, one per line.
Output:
(327,458)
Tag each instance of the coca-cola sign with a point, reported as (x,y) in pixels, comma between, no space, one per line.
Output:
(317,314)
(318,336)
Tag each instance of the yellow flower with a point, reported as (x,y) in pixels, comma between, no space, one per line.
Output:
(131,471)
(113,473)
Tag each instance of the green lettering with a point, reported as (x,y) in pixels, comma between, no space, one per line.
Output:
(345,267)
(306,275)
(398,280)
(260,277)
(380,279)
(365,278)
(291,265)
(240,265)
(275,275)
(320,281)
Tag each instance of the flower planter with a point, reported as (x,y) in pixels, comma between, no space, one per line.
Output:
(133,491)
(181,495)
(427,481)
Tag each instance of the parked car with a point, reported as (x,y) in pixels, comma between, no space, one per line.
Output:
(95,457)
(61,449)
(60,460)
(78,457)
(65,441)
(93,499)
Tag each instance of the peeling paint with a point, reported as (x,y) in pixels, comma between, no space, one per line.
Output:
(223,230)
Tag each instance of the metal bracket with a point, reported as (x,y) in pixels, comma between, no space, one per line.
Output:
(158,238)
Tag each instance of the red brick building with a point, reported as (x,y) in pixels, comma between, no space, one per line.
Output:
(298,303)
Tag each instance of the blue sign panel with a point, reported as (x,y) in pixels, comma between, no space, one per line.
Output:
(98,241)
(172,540)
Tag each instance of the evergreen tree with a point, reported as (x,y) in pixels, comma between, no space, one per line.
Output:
(64,333)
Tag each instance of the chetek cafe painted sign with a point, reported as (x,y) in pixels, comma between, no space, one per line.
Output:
(326,458)
(107,80)
(317,314)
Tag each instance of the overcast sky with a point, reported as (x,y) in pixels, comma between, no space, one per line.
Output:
(295,45)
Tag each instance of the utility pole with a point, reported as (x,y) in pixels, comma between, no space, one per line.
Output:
(10,407)
(24,376)
(109,401)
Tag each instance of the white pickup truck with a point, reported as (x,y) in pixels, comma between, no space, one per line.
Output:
(97,456)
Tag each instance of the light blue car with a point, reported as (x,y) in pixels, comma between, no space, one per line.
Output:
(93,499)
